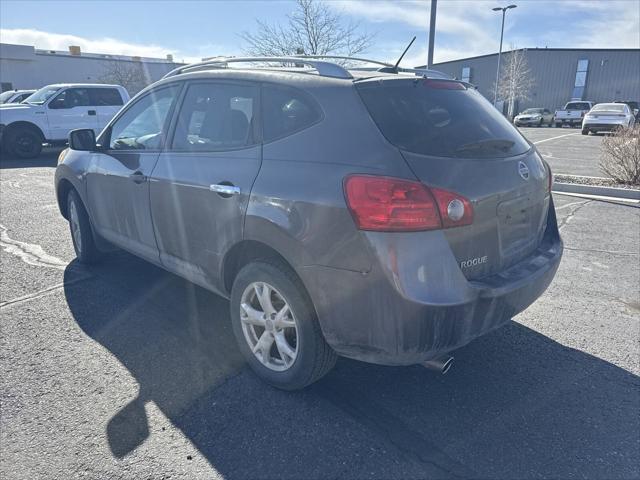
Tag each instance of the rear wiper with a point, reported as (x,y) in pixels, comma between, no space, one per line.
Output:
(490,144)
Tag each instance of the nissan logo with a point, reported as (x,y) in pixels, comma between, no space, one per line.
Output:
(523,170)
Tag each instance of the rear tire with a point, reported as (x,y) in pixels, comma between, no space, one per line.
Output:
(290,350)
(558,125)
(81,232)
(24,143)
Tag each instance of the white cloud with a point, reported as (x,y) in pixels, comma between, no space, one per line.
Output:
(467,28)
(56,41)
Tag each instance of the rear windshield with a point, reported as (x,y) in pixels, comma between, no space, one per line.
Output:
(440,118)
(577,106)
(608,107)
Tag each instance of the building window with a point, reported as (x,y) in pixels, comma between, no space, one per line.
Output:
(581,80)
(466,74)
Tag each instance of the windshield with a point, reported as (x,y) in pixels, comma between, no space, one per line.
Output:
(608,107)
(42,95)
(440,118)
(531,111)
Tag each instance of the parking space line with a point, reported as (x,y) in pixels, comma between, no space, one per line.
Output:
(554,138)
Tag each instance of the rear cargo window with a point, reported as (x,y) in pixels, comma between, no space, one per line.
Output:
(578,106)
(440,118)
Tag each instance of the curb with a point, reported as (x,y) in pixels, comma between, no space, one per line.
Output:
(627,193)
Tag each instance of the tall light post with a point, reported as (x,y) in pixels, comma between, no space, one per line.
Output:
(504,11)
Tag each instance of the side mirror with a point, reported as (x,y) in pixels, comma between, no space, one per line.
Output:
(83,139)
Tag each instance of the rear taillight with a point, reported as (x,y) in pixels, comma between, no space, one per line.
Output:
(396,205)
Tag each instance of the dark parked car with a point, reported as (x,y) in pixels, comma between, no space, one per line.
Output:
(387,217)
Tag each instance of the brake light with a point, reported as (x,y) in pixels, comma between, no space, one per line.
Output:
(396,205)
(444,84)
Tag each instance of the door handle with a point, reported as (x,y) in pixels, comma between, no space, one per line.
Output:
(138,177)
(92,112)
(225,190)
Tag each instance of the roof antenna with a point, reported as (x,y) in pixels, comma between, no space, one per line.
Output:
(395,67)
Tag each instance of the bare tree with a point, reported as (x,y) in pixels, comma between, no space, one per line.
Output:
(515,79)
(131,75)
(312,29)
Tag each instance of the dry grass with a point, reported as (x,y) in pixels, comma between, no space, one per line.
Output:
(621,156)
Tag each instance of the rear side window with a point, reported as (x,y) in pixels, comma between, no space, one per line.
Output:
(285,111)
(216,116)
(440,118)
(104,97)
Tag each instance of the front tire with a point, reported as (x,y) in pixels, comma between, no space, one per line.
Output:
(81,232)
(24,143)
(276,327)
(585,131)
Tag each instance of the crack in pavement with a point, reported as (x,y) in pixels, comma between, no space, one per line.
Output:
(43,292)
(595,250)
(572,213)
(30,253)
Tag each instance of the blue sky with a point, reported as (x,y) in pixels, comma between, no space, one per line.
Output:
(194,29)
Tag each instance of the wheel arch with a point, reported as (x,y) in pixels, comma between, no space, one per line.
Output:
(62,193)
(245,252)
(11,127)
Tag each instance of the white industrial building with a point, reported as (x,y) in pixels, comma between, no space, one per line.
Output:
(25,67)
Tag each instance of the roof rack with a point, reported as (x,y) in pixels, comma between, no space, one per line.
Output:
(325,69)
(387,67)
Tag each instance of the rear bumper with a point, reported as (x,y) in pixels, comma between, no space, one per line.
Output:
(405,311)
(569,121)
(600,126)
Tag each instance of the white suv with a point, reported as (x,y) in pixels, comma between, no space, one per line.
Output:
(53,111)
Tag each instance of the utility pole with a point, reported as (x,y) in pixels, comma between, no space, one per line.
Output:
(504,11)
(432,32)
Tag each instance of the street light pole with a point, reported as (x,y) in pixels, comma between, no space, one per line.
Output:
(504,11)
(432,33)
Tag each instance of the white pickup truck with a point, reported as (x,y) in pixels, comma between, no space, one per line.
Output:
(572,114)
(53,111)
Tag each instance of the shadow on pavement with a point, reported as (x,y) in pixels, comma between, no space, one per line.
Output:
(48,158)
(515,405)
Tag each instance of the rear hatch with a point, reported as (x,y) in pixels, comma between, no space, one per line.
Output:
(454,139)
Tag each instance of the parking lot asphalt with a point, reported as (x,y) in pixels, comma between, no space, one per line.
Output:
(124,371)
(567,150)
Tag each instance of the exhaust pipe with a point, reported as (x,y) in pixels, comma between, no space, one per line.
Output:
(441,364)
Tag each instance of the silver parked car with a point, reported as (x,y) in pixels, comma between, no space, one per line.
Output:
(385,216)
(534,117)
(607,117)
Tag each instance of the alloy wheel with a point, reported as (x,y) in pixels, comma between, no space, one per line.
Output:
(269,326)
(74,221)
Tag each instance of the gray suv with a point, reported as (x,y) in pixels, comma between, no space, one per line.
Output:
(385,216)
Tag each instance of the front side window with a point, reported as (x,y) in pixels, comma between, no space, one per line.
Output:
(42,95)
(285,111)
(105,97)
(216,116)
(142,125)
(70,98)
